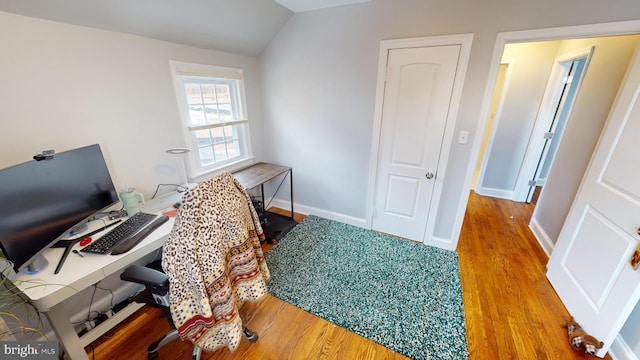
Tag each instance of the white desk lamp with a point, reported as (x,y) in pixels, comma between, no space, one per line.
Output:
(182,152)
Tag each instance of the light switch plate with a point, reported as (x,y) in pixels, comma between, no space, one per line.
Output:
(463,138)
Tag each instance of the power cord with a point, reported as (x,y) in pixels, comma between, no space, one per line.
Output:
(91,322)
(179,189)
(11,298)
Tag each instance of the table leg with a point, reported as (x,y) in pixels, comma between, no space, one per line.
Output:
(291,190)
(62,327)
(264,201)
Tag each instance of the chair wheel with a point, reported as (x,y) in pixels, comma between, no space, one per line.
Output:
(252,336)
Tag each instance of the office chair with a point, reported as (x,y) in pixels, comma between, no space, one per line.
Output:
(212,264)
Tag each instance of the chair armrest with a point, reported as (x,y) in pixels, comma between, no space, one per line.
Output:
(156,281)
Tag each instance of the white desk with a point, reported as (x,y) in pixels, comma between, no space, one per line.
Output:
(48,290)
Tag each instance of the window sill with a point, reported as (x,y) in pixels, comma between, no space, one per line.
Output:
(230,167)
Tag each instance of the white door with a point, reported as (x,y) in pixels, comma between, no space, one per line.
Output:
(417,98)
(590,265)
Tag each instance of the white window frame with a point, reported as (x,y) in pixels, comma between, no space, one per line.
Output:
(188,71)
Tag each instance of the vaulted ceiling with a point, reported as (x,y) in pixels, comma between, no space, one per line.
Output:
(238,26)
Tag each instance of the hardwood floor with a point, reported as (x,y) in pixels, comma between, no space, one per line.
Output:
(511,309)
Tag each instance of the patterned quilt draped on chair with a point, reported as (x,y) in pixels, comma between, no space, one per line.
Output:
(214,262)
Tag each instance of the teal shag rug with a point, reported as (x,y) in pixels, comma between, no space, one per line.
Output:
(403,295)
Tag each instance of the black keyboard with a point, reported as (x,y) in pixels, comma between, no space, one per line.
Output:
(120,234)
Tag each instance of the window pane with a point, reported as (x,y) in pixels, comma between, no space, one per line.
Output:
(193,93)
(203,137)
(220,151)
(231,132)
(233,149)
(224,110)
(217,135)
(223,93)
(206,156)
(208,93)
(212,114)
(196,115)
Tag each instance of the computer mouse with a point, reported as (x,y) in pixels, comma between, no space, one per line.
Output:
(85,241)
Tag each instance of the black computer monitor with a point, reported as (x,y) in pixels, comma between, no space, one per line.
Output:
(41,201)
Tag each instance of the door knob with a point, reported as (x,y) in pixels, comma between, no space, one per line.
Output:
(429,175)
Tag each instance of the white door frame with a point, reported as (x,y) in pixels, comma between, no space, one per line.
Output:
(545,115)
(580,31)
(464,40)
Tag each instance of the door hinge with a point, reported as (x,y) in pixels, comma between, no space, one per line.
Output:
(567,79)
(532,183)
(548,135)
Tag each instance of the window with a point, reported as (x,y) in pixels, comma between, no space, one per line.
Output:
(213,115)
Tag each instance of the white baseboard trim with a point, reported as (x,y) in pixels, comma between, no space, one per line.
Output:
(620,350)
(499,193)
(308,210)
(541,236)
(442,243)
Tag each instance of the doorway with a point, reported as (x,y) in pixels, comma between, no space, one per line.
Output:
(600,85)
(530,106)
(511,134)
(555,110)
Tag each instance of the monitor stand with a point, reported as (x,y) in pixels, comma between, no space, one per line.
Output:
(37,265)
(78,229)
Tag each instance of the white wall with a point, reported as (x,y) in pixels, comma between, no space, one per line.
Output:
(64,86)
(320,110)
